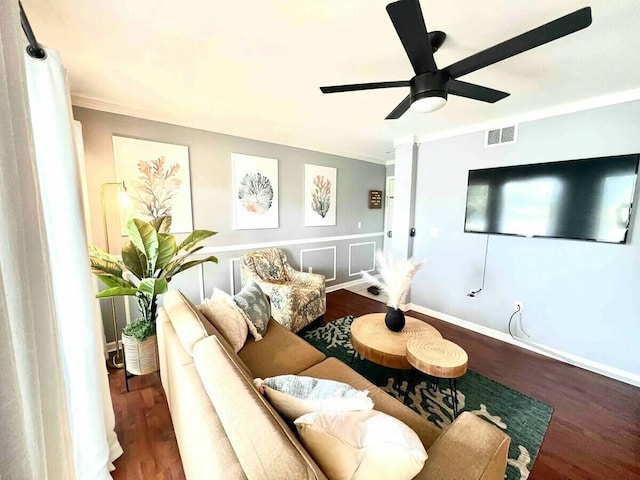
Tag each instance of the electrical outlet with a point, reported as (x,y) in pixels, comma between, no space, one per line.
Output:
(518,306)
(310,269)
(359,225)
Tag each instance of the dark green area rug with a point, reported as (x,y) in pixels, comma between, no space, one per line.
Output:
(524,419)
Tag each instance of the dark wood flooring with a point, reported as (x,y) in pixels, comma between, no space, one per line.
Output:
(594,432)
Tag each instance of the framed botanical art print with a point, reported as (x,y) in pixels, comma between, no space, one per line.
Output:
(319,195)
(157,179)
(255,192)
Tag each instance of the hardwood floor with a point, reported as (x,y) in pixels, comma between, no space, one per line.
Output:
(594,432)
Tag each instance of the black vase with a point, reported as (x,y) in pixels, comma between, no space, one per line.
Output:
(394,319)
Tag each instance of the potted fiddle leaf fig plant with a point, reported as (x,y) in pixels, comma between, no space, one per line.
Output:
(150,259)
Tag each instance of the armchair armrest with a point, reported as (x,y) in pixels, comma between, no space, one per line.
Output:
(304,278)
(269,287)
(470,448)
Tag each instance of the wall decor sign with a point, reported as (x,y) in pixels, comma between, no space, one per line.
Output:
(157,178)
(255,192)
(375,199)
(319,195)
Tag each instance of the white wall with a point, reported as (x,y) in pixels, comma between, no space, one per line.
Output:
(580,297)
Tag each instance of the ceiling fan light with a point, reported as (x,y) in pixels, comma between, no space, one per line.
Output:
(428,104)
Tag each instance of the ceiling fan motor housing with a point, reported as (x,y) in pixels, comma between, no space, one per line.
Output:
(430,84)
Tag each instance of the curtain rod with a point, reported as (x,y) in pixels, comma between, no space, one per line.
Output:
(34,49)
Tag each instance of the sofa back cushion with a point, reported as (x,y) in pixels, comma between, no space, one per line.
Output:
(191,325)
(264,445)
(186,319)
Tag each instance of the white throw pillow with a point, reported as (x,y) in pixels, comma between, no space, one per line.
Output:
(224,296)
(228,320)
(362,445)
(293,395)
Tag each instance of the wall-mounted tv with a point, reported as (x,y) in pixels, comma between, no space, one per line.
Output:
(587,199)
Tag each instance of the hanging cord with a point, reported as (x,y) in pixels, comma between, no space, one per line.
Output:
(511,319)
(473,293)
(34,50)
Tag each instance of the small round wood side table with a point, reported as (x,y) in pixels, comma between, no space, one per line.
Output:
(441,359)
(372,339)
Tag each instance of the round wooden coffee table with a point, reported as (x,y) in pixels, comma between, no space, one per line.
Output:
(439,358)
(372,339)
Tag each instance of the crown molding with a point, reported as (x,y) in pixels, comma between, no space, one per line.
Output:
(578,106)
(103,106)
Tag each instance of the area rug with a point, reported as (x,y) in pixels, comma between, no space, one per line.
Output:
(523,418)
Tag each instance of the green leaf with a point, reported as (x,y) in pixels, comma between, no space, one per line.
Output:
(153,286)
(171,269)
(193,263)
(117,292)
(194,238)
(113,282)
(145,238)
(167,248)
(134,260)
(162,224)
(102,261)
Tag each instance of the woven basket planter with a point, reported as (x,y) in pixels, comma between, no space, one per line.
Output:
(141,357)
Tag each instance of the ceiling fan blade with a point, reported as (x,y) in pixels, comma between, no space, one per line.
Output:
(475,92)
(534,38)
(402,107)
(407,18)
(363,86)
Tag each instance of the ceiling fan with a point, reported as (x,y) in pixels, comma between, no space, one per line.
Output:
(430,86)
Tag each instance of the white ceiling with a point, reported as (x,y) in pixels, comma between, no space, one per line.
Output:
(253,68)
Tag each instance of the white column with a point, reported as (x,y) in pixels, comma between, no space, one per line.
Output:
(406,155)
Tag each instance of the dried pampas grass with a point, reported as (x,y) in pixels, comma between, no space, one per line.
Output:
(396,278)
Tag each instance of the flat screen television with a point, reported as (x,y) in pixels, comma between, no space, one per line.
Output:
(587,199)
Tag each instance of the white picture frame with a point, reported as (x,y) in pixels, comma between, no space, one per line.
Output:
(320,195)
(255,192)
(140,164)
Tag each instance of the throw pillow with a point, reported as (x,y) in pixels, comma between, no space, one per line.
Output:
(227,318)
(362,445)
(293,396)
(254,305)
(219,294)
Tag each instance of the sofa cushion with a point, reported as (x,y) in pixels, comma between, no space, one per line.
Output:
(293,396)
(185,318)
(334,369)
(280,352)
(265,447)
(225,315)
(255,307)
(362,445)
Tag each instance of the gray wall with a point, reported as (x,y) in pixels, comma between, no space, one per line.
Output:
(580,297)
(210,165)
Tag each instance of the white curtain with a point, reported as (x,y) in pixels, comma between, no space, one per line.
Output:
(91,416)
(56,417)
(34,435)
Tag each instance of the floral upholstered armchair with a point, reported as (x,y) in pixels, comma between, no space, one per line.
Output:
(297,298)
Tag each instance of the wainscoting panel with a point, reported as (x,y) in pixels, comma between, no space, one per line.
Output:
(321,260)
(362,258)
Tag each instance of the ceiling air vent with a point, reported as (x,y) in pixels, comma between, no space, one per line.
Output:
(500,136)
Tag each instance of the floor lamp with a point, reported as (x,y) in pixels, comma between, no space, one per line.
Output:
(117,360)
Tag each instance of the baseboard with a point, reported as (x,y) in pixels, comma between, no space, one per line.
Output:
(596,367)
(352,283)
(339,286)
(111,346)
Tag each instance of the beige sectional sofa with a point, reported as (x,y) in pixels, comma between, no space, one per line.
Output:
(227,430)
